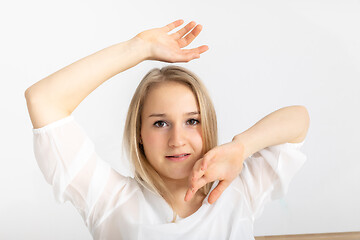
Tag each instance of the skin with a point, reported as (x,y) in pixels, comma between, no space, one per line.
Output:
(57,96)
(172,134)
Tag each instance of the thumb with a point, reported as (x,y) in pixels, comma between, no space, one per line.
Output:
(216,192)
(186,55)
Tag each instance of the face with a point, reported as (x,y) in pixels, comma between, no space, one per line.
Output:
(171,126)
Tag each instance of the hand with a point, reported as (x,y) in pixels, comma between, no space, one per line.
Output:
(223,163)
(168,48)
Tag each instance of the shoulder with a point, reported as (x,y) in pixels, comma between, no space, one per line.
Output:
(237,185)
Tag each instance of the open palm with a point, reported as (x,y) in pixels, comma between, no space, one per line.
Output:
(168,47)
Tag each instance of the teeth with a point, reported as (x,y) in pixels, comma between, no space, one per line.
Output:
(180,156)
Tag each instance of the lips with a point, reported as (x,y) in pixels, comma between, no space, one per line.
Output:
(179,155)
(178,158)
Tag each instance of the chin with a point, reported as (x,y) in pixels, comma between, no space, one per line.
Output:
(176,172)
(177,176)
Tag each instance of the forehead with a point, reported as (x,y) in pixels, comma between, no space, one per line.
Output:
(170,98)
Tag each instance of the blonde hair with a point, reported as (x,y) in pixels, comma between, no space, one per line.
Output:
(145,174)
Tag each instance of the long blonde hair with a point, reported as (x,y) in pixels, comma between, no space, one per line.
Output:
(145,174)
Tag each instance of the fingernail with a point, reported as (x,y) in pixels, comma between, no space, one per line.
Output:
(186,196)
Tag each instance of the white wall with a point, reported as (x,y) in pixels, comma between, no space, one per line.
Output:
(263,55)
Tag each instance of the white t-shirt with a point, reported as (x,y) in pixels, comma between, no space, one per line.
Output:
(118,207)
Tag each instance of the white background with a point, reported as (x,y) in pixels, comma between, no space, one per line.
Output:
(264,55)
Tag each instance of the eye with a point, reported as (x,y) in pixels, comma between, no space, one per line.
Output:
(160,124)
(193,120)
(156,123)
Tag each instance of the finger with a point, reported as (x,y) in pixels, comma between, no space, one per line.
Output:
(183,42)
(173,25)
(216,192)
(199,184)
(203,49)
(190,54)
(197,171)
(187,195)
(186,55)
(195,51)
(192,190)
(179,34)
(208,158)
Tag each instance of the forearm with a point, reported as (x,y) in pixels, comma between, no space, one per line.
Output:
(288,124)
(69,86)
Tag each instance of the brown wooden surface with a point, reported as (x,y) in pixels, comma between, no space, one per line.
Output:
(315,236)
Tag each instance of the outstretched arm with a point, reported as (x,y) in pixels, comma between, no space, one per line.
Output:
(57,95)
(225,162)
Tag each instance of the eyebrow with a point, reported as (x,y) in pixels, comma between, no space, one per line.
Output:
(164,115)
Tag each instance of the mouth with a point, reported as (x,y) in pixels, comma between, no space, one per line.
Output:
(178,158)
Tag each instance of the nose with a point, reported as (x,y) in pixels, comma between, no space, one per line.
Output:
(177,136)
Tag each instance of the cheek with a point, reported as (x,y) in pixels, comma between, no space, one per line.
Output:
(199,132)
(195,137)
(198,141)
(150,137)
(152,142)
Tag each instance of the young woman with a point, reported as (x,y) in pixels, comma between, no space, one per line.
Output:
(185,185)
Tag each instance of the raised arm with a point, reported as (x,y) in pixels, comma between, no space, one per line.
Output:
(289,124)
(225,162)
(57,95)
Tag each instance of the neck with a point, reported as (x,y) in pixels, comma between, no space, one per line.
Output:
(178,189)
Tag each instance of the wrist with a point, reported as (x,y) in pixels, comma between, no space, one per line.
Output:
(141,47)
(246,142)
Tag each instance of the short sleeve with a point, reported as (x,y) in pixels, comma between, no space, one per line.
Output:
(266,174)
(66,157)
